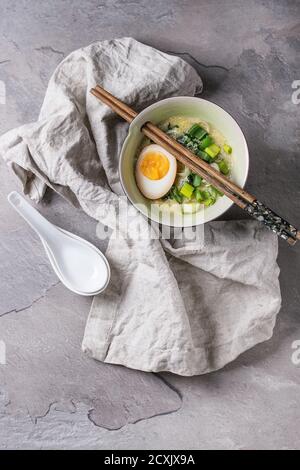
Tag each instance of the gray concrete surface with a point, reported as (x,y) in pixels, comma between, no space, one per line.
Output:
(51,396)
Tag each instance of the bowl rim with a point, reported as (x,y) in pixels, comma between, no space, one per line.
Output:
(140,117)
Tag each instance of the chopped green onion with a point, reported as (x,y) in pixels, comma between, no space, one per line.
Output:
(227,148)
(197,131)
(213,192)
(204,156)
(223,166)
(192,130)
(190,178)
(175,194)
(199,195)
(206,142)
(197,180)
(200,134)
(187,190)
(208,202)
(213,150)
(202,196)
(194,179)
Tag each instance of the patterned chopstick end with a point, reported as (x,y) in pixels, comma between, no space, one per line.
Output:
(274,222)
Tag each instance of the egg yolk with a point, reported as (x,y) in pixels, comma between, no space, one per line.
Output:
(155,165)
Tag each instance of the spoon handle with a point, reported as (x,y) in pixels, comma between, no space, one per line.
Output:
(37,222)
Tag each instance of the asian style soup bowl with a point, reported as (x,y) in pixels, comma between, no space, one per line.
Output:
(193,109)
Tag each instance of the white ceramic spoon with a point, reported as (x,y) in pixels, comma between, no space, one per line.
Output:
(80,266)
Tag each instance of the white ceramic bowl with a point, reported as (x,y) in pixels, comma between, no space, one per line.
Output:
(194,107)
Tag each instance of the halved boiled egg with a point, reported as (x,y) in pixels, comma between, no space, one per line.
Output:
(155,171)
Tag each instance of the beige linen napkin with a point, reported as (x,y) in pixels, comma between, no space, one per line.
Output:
(171,305)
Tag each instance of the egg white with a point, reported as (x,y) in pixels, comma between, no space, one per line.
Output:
(155,189)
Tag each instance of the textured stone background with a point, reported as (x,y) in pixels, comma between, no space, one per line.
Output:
(51,396)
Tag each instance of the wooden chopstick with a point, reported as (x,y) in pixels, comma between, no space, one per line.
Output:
(238,195)
(131,112)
